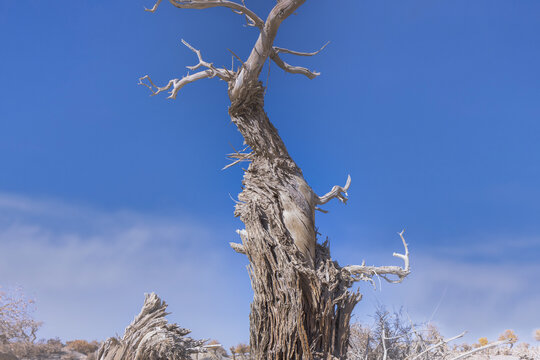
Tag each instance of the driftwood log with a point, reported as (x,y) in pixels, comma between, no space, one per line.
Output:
(151,337)
(301,306)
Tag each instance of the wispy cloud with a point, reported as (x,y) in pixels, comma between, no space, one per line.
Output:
(485,298)
(88,269)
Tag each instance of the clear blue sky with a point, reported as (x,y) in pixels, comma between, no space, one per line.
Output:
(433,107)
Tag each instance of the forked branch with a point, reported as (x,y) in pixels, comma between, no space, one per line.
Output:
(175,85)
(366,273)
(336,192)
(294,69)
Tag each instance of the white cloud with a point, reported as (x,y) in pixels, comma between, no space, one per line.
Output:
(88,269)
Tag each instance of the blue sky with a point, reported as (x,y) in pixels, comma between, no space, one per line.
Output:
(107,193)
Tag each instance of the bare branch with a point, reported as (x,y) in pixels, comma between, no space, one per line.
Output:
(198,53)
(336,192)
(237,58)
(279,50)
(154,8)
(237,8)
(488,346)
(366,273)
(176,84)
(439,344)
(293,69)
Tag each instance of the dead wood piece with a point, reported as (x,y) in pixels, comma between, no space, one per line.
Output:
(151,337)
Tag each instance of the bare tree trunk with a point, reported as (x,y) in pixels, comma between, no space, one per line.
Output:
(301,306)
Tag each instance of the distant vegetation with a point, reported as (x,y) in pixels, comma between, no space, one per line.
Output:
(392,336)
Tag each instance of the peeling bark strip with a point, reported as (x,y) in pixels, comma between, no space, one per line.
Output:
(301,306)
(151,337)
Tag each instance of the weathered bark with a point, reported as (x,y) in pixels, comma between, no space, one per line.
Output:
(301,306)
(150,337)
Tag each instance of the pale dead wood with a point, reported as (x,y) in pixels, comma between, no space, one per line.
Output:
(337,192)
(439,344)
(293,69)
(485,347)
(151,337)
(176,84)
(239,248)
(366,273)
(206,4)
(254,19)
(154,8)
(299,53)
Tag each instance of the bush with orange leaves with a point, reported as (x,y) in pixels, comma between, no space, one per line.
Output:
(537,334)
(509,336)
(483,341)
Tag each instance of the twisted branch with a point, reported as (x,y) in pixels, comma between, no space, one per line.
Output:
(176,84)
(366,273)
(237,8)
(291,68)
(336,192)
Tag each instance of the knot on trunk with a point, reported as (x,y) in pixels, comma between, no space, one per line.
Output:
(249,100)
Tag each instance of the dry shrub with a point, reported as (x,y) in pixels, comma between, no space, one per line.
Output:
(391,337)
(240,351)
(537,334)
(390,334)
(42,349)
(83,346)
(16,322)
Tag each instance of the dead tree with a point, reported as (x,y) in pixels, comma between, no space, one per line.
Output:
(301,306)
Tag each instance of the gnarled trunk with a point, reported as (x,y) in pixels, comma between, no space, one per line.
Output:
(301,307)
